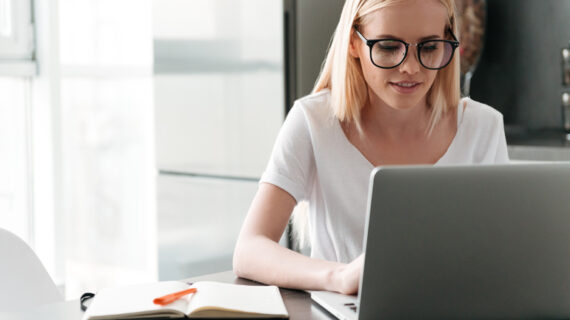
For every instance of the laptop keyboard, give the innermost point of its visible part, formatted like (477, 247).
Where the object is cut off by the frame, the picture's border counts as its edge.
(351, 306)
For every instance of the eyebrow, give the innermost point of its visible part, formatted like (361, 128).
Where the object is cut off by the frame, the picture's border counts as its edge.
(389, 36)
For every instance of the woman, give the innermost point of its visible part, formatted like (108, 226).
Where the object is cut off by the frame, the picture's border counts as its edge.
(388, 94)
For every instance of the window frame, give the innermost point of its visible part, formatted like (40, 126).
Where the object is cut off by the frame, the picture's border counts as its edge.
(17, 51)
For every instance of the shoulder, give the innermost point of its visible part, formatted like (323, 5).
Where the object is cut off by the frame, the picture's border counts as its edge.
(479, 116)
(314, 109)
(307, 116)
(481, 134)
(315, 103)
(478, 111)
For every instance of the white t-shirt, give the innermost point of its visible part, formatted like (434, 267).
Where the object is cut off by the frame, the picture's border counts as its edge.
(313, 160)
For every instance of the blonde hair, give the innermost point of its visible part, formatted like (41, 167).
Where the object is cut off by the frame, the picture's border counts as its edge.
(342, 75)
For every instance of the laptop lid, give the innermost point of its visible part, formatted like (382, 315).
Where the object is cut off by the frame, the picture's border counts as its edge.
(467, 242)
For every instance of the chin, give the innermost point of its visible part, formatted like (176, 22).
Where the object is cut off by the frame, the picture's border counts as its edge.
(403, 103)
(400, 101)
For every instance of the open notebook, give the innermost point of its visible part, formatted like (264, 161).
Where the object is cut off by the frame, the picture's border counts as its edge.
(212, 300)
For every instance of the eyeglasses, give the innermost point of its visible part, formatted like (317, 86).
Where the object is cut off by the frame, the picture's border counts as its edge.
(390, 53)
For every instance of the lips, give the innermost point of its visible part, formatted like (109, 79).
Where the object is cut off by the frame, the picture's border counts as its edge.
(405, 87)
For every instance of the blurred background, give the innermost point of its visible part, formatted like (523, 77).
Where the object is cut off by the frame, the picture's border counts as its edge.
(133, 132)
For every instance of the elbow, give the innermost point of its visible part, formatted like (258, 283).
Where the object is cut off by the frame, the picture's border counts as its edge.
(237, 270)
(238, 264)
(244, 259)
(246, 262)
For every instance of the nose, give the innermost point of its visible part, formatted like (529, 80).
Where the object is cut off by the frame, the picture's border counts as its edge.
(411, 64)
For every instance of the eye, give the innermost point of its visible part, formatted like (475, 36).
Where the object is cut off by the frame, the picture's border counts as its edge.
(430, 46)
(388, 46)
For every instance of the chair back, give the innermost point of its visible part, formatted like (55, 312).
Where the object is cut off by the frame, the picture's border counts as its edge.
(24, 282)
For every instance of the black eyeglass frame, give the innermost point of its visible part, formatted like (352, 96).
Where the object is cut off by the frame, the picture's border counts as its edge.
(370, 43)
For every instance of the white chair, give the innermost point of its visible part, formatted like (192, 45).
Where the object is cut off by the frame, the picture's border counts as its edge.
(24, 282)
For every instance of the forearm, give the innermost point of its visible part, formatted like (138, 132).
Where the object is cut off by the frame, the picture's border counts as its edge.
(261, 259)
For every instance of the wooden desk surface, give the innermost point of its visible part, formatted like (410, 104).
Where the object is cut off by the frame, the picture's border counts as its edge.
(298, 303)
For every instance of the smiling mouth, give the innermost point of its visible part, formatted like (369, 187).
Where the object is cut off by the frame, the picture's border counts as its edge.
(406, 84)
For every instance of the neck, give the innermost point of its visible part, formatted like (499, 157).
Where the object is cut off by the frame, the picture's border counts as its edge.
(410, 122)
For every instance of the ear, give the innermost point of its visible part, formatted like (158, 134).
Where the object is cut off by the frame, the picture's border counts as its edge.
(353, 45)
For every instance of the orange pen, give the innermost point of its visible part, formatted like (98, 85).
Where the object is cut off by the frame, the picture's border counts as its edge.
(169, 298)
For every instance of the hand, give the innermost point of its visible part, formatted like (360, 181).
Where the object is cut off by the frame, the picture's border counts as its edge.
(348, 276)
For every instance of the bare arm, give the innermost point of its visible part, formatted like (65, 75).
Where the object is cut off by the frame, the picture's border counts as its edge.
(258, 255)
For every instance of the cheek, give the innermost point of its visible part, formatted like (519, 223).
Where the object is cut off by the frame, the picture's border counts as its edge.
(373, 75)
(431, 77)
(378, 81)
(370, 71)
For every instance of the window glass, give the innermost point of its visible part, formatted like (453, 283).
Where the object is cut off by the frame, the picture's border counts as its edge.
(14, 160)
(105, 32)
(107, 128)
(16, 36)
(5, 19)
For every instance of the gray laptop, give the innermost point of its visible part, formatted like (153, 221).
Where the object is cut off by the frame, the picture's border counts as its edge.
(464, 242)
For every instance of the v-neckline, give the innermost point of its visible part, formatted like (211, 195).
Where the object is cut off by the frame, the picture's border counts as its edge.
(460, 115)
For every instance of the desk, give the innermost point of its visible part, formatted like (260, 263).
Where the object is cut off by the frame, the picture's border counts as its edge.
(298, 303)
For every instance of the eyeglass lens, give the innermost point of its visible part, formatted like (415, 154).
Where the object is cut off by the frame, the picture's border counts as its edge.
(432, 54)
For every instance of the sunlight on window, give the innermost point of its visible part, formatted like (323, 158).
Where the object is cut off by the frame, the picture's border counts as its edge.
(13, 162)
(106, 32)
(107, 138)
(107, 143)
(5, 18)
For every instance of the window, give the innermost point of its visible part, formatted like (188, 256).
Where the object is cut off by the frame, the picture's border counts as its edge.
(14, 163)
(106, 138)
(77, 168)
(16, 38)
(16, 54)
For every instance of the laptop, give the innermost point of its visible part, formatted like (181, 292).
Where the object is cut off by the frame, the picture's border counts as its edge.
(464, 242)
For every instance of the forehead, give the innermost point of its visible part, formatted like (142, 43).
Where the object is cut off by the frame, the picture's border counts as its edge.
(410, 19)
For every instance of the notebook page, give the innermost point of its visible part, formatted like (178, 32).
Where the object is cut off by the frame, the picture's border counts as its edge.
(135, 299)
(225, 296)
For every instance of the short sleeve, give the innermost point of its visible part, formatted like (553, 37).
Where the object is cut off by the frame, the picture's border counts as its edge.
(291, 165)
